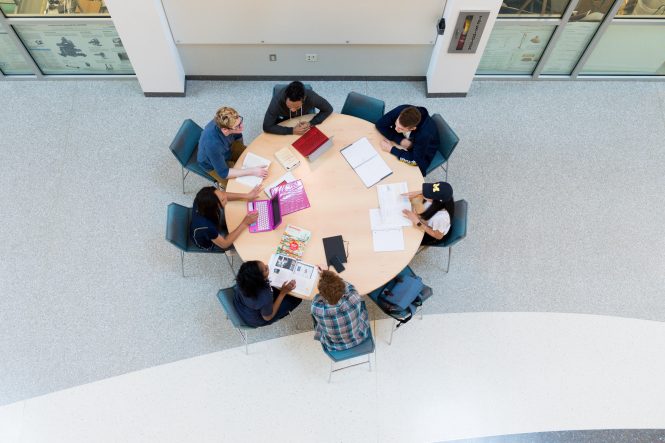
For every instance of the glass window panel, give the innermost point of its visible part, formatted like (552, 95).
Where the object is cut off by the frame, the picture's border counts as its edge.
(642, 9)
(75, 48)
(533, 8)
(11, 59)
(576, 36)
(514, 49)
(629, 49)
(54, 8)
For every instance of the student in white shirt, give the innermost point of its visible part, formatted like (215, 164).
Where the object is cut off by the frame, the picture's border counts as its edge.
(439, 208)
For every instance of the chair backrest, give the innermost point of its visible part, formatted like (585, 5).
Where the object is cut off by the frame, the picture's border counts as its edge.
(457, 225)
(447, 138)
(225, 297)
(178, 218)
(186, 141)
(363, 106)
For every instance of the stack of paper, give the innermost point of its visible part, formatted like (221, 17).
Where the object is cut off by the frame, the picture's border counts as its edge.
(385, 236)
(392, 203)
(366, 161)
(388, 219)
(252, 161)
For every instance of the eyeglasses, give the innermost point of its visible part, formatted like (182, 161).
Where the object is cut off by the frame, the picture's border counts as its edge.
(239, 123)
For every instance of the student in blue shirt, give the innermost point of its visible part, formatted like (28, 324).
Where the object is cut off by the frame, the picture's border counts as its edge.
(410, 135)
(257, 303)
(208, 227)
(220, 146)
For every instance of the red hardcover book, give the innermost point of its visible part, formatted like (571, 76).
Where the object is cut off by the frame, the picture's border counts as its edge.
(310, 141)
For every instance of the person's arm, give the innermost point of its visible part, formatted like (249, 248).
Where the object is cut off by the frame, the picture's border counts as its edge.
(226, 242)
(239, 172)
(272, 118)
(385, 123)
(233, 196)
(424, 148)
(285, 289)
(415, 219)
(320, 103)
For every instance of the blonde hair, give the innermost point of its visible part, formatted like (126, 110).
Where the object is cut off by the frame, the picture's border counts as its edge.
(226, 117)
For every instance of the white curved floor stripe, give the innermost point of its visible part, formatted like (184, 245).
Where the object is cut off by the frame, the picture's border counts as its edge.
(450, 376)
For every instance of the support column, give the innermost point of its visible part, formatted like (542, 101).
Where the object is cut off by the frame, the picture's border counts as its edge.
(146, 36)
(451, 74)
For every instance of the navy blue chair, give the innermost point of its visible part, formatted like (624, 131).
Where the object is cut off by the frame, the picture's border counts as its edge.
(363, 106)
(225, 297)
(178, 219)
(308, 87)
(374, 296)
(447, 142)
(364, 348)
(185, 146)
(457, 230)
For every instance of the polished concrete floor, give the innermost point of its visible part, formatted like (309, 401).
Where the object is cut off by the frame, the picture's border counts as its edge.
(563, 181)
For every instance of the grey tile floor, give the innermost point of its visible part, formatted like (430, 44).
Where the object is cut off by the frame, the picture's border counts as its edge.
(564, 182)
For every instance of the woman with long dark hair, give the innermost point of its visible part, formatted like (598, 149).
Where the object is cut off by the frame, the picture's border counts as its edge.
(439, 208)
(257, 303)
(208, 227)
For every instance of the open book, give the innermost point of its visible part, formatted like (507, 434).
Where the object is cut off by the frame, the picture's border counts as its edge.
(366, 161)
(284, 269)
(252, 161)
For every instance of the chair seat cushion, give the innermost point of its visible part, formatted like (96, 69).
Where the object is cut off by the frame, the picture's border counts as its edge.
(437, 161)
(366, 347)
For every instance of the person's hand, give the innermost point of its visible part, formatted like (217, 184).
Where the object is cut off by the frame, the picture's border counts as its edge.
(412, 194)
(260, 172)
(406, 143)
(250, 218)
(251, 195)
(386, 145)
(288, 286)
(301, 128)
(411, 215)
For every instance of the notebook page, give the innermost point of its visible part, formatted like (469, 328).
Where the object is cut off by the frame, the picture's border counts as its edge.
(373, 171)
(359, 152)
(252, 161)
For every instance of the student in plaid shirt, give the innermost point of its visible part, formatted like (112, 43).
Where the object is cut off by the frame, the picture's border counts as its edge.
(341, 320)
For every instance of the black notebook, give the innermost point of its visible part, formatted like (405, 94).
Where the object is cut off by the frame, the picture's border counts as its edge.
(334, 246)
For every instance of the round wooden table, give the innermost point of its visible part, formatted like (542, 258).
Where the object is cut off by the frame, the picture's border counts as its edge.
(339, 201)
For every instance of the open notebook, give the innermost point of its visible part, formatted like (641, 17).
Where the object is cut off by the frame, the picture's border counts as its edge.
(366, 161)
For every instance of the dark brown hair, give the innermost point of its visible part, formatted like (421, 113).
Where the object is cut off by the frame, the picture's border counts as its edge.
(409, 117)
(331, 287)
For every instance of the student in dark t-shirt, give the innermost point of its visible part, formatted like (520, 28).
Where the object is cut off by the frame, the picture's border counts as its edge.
(257, 303)
(208, 227)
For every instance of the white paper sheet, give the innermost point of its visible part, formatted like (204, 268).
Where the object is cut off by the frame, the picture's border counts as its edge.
(388, 240)
(392, 203)
(377, 223)
(252, 161)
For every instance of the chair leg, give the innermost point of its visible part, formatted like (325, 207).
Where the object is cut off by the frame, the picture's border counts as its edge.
(182, 262)
(369, 361)
(450, 251)
(245, 338)
(444, 166)
(331, 371)
(182, 172)
(421, 248)
(392, 330)
(230, 262)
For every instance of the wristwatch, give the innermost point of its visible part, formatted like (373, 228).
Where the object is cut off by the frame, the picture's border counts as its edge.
(419, 224)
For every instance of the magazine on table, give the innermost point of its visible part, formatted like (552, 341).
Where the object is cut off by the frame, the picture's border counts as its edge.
(284, 269)
(293, 242)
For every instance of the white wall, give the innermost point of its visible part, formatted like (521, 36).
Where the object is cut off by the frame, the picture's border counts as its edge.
(145, 33)
(453, 73)
(385, 37)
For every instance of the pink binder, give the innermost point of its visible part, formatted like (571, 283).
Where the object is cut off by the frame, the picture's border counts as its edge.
(292, 197)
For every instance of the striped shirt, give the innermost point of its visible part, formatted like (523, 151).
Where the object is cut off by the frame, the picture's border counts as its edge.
(341, 326)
